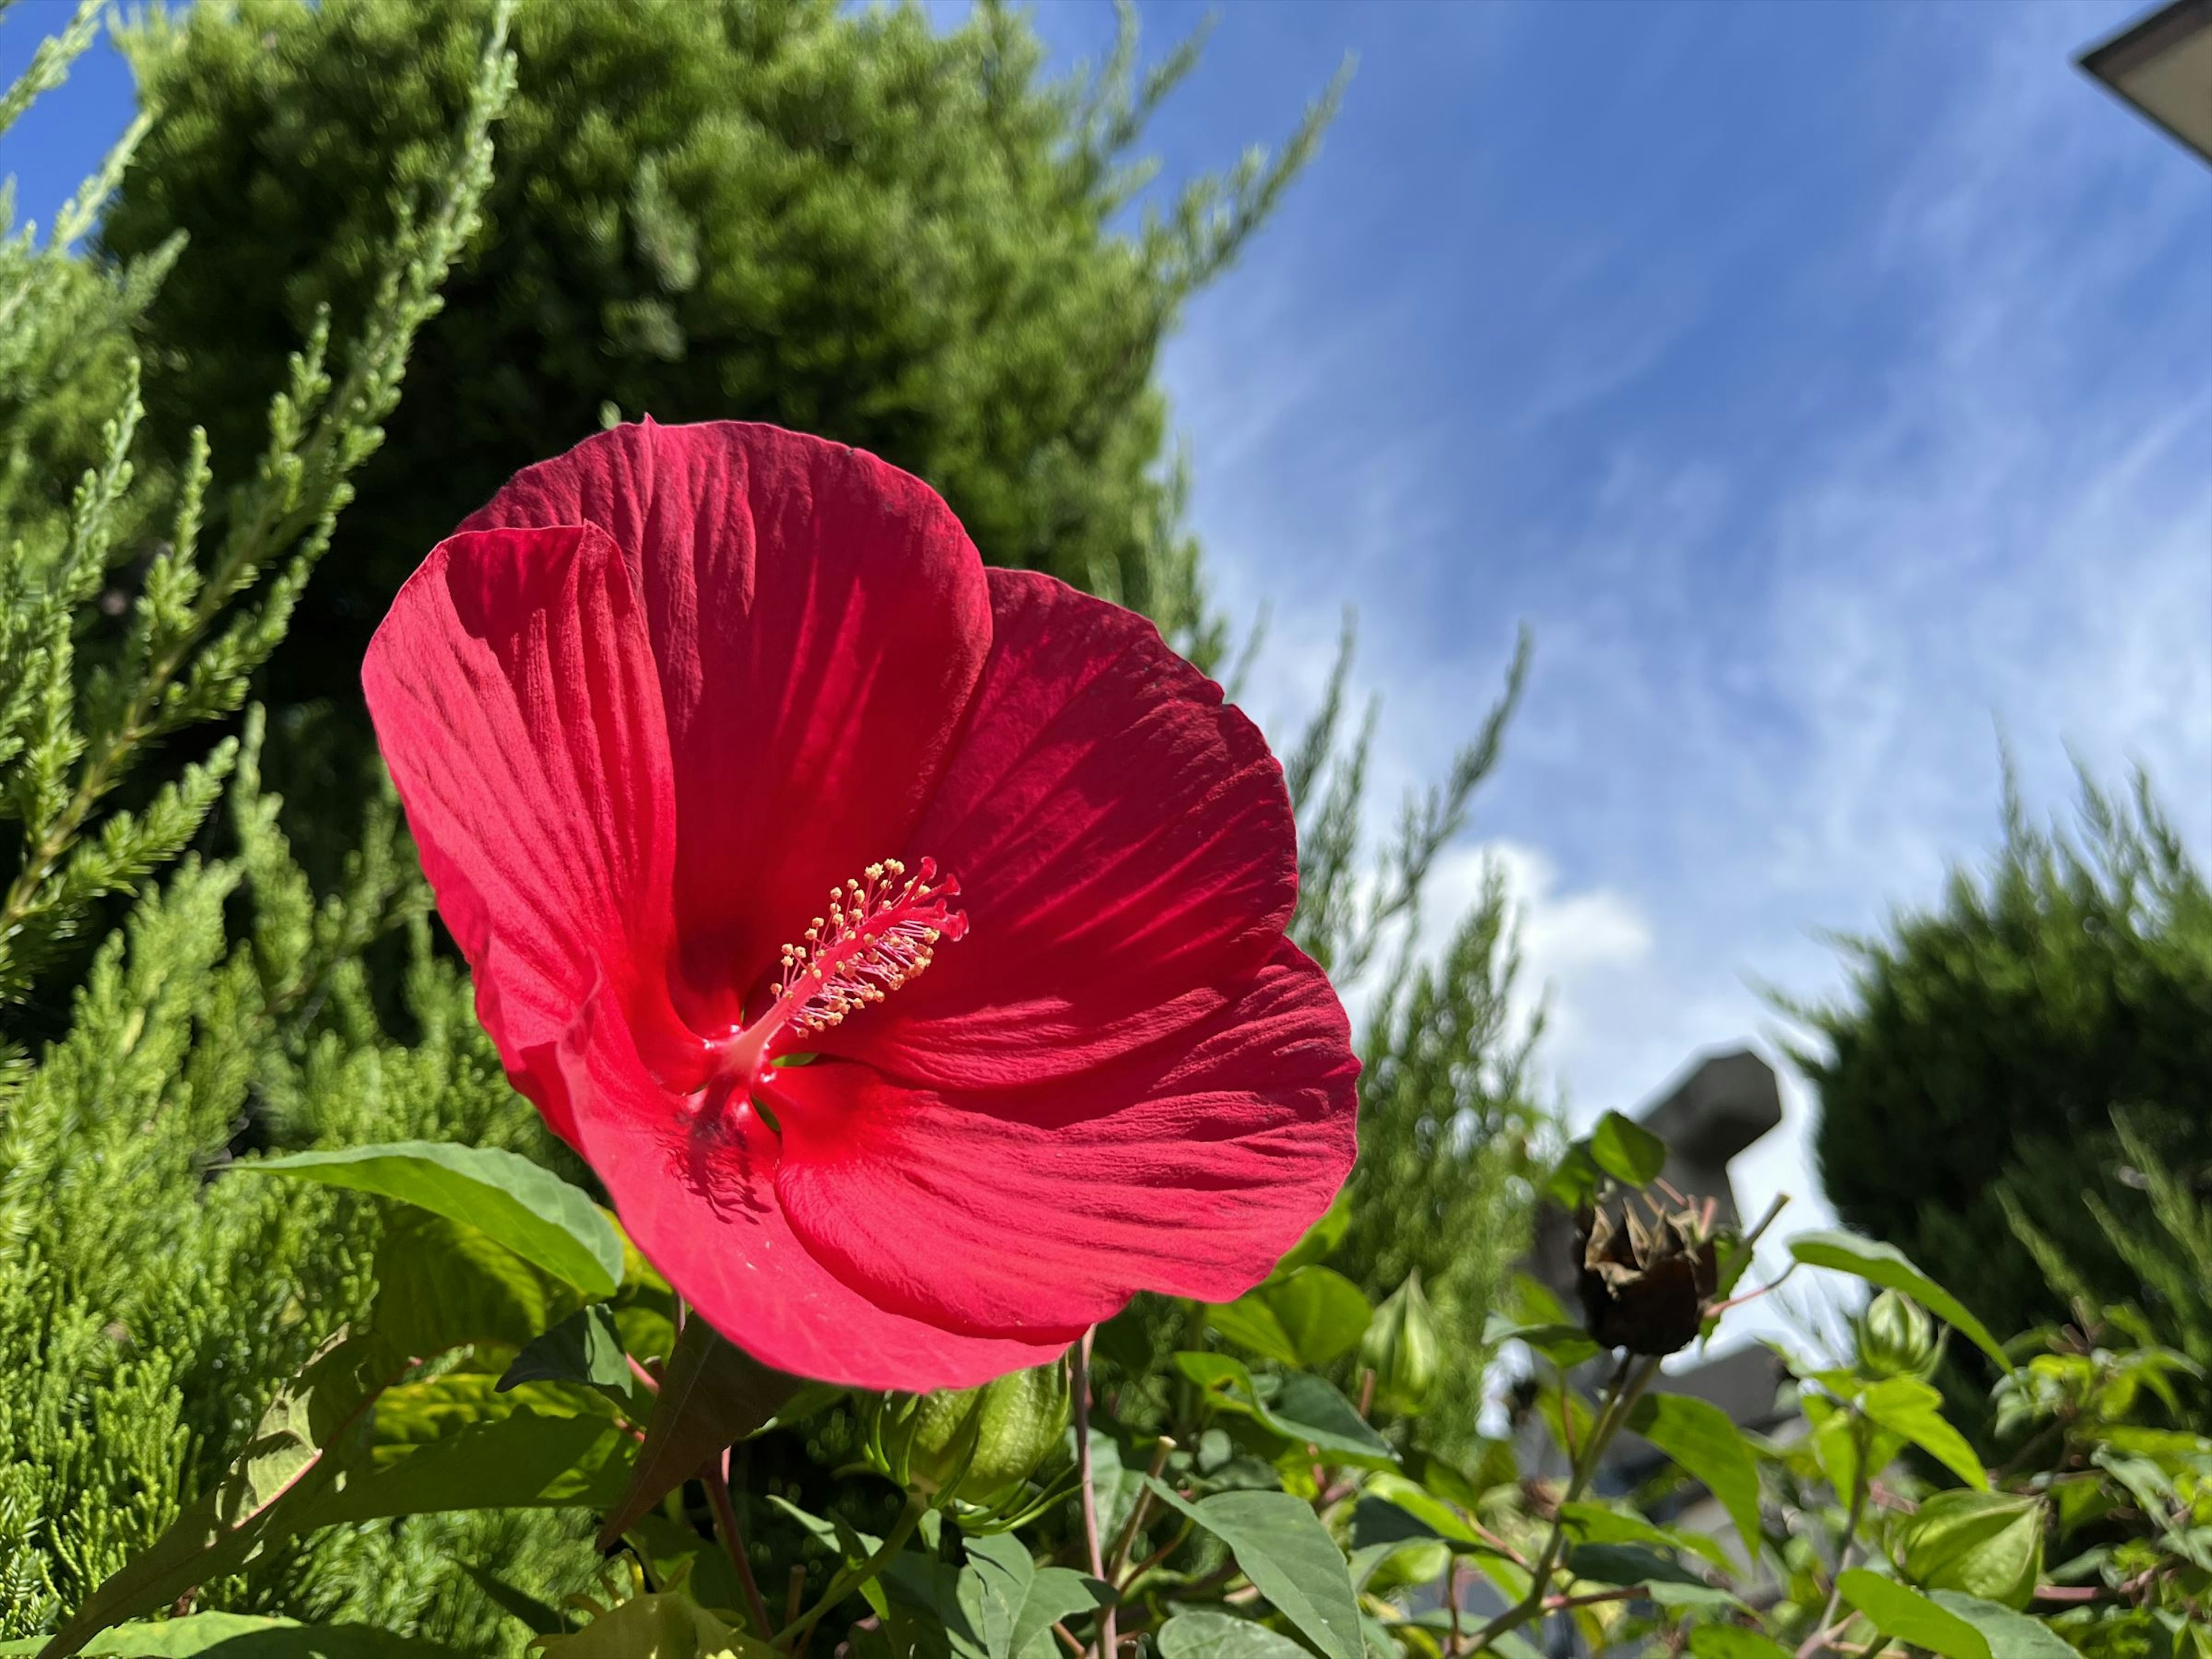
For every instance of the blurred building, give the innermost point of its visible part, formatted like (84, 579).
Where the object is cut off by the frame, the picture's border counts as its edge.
(2161, 66)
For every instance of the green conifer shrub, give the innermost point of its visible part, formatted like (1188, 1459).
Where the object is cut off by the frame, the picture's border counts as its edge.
(1451, 1124)
(1976, 1064)
(841, 221)
(147, 1304)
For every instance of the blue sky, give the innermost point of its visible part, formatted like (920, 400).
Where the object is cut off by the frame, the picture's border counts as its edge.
(1829, 386)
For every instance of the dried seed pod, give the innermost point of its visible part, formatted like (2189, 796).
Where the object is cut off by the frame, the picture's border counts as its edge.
(1644, 1285)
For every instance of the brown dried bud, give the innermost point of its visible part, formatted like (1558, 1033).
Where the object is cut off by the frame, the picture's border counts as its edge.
(1644, 1287)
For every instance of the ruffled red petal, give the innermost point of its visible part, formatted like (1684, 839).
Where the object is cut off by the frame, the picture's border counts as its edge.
(515, 700)
(1124, 845)
(819, 619)
(1188, 1169)
(697, 1192)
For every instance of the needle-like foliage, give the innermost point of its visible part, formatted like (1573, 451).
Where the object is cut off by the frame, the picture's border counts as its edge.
(144, 1303)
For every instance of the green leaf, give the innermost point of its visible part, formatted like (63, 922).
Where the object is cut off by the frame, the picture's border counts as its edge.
(1907, 1406)
(1323, 1237)
(531, 1211)
(1201, 1635)
(1564, 1346)
(441, 1284)
(1282, 1546)
(1429, 1515)
(667, 1626)
(934, 1609)
(585, 1349)
(1590, 1522)
(242, 1636)
(1310, 1408)
(713, 1393)
(532, 1615)
(1985, 1544)
(1381, 1568)
(1576, 1181)
(1020, 1601)
(1706, 1445)
(1734, 1642)
(2010, 1635)
(1249, 1322)
(311, 1429)
(1307, 1318)
(1627, 1152)
(676, 1553)
(1891, 1268)
(1896, 1610)
(1323, 1313)
(1304, 1409)
(1628, 1563)
(522, 1460)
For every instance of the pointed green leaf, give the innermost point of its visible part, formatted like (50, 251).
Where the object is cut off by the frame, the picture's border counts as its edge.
(2010, 1635)
(1590, 1522)
(243, 1636)
(521, 1459)
(314, 1427)
(1891, 1268)
(1020, 1601)
(1323, 1312)
(1307, 1317)
(532, 1615)
(441, 1284)
(1897, 1611)
(1201, 1635)
(1734, 1642)
(585, 1348)
(531, 1211)
(1705, 1444)
(1280, 1545)
(665, 1626)
(1626, 1150)
(713, 1395)
(1323, 1237)
(1907, 1406)
(1628, 1563)
(1403, 1509)
(1564, 1346)
(1304, 1409)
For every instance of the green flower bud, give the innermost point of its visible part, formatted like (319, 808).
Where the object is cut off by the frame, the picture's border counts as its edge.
(976, 1444)
(1400, 1348)
(1896, 1338)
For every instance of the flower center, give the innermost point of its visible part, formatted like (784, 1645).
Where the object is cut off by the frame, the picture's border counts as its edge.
(881, 930)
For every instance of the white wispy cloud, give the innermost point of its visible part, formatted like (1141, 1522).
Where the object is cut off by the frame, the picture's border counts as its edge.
(1770, 689)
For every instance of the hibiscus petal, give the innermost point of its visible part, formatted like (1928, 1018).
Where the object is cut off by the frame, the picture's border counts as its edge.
(1124, 845)
(1188, 1169)
(695, 1190)
(515, 700)
(820, 620)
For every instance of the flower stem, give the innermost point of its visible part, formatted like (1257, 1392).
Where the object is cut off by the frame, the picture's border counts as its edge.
(1630, 1378)
(1825, 1626)
(848, 1579)
(1117, 1559)
(714, 1474)
(1079, 1382)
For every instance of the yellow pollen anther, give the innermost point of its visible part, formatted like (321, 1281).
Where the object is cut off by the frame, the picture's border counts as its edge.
(881, 930)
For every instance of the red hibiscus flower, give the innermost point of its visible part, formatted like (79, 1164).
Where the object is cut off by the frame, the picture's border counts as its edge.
(902, 943)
